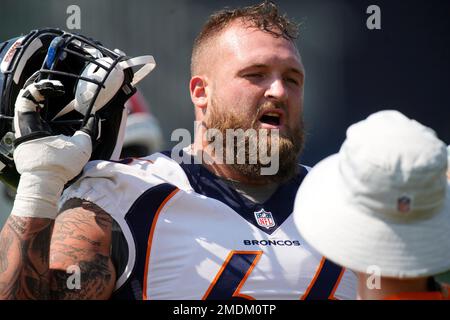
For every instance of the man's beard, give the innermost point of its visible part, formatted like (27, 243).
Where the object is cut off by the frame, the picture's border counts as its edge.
(290, 144)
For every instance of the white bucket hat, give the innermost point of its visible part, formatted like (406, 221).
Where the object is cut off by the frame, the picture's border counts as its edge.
(383, 201)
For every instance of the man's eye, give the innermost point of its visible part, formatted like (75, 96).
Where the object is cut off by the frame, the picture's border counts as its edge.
(254, 75)
(292, 80)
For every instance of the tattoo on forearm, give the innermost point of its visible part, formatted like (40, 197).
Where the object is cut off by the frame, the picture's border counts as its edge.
(81, 237)
(5, 244)
(24, 247)
(17, 224)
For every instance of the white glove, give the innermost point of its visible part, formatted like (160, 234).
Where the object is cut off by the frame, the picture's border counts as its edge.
(46, 162)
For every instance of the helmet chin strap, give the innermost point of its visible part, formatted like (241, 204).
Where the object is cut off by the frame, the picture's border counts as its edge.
(148, 64)
(120, 137)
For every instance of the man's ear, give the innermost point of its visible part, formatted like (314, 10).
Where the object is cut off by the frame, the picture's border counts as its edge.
(199, 93)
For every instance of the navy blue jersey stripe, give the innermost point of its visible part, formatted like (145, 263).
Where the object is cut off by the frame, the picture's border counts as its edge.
(232, 275)
(325, 282)
(140, 218)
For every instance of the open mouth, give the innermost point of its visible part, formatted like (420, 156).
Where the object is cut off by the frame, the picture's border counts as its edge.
(271, 118)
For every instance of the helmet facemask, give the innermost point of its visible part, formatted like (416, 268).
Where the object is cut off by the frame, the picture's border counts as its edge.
(97, 81)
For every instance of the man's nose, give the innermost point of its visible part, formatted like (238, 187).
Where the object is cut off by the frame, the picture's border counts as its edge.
(277, 90)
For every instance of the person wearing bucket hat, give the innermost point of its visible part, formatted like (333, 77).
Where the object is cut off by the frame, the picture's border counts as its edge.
(385, 209)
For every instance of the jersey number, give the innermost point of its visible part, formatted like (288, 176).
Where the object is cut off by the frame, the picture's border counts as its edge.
(239, 264)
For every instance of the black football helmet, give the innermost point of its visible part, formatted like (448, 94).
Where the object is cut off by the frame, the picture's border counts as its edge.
(97, 81)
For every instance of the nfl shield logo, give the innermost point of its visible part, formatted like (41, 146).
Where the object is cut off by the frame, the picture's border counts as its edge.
(265, 219)
(404, 204)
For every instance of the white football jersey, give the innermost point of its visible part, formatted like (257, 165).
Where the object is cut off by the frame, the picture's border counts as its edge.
(191, 236)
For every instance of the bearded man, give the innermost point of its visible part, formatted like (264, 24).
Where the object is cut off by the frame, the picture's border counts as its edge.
(221, 229)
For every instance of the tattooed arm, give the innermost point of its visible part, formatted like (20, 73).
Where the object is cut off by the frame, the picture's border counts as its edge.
(34, 262)
(24, 249)
(82, 238)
